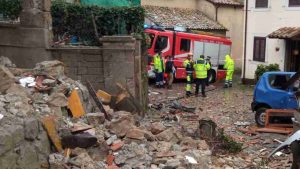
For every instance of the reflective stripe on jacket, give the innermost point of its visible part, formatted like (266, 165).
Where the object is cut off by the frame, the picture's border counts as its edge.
(201, 68)
(188, 66)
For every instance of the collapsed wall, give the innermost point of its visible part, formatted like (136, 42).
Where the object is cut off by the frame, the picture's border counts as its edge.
(27, 95)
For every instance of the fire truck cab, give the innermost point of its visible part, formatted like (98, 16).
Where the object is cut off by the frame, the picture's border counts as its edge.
(179, 44)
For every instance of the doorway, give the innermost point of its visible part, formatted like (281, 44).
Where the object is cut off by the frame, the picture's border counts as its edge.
(293, 55)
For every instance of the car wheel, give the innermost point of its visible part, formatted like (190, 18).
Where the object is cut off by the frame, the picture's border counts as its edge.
(260, 116)
(212, 76)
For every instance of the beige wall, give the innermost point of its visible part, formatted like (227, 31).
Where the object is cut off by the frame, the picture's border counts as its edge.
(233, 20)
(207, 8)
(262, 22)
(192, 4)
(230, 17)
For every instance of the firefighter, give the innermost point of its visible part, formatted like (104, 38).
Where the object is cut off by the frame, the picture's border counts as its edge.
(208, 71)
(188, 64)
(201, 67)
(159, 69)
(229, 66)
(169, 71)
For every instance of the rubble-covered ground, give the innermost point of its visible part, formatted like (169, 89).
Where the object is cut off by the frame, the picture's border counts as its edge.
(48, 120)
(230, 109)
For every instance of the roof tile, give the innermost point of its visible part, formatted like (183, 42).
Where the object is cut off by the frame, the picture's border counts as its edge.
(226, 2)
(189, 18)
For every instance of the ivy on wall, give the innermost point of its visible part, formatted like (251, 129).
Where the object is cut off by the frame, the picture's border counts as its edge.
(10, 9)
(76, 20)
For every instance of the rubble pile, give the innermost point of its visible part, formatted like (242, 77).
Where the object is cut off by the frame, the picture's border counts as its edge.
(51, 121)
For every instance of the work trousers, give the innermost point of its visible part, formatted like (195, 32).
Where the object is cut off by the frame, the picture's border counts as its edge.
(201, 82)
(228, 81)
(189, 81)
(159, 77)
(170, 79)
(207, 79)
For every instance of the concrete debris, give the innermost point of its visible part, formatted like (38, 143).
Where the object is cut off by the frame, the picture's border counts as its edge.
(6, 79)
(5, 61)
(53, 68)
(57, 125)
(157, 128)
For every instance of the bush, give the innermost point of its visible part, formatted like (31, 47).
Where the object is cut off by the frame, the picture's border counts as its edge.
(10, 9)
(261, 69)
(76, 20)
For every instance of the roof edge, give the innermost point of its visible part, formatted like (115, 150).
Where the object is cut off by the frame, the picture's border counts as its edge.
(226, 4)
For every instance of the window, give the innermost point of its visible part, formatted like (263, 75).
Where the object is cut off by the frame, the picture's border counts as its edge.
(277, 81)
(261, 3)
(161, 43)
(294, 3)
(259, 51)
(149, 39)
(185, 45)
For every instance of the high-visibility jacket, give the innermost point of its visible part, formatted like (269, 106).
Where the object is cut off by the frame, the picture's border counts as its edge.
(158, 63)
(188, 64)
(229, 63)
(201, 68)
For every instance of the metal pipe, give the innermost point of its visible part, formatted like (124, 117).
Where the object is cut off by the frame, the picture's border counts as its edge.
(245, 42)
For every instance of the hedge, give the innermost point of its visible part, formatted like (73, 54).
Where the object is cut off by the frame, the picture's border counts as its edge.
(10, 9)
(76, 20)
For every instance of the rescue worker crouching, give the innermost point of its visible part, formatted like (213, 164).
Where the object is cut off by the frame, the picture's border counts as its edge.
(201, 67)
(159, 69)
(188, 64)
(229, 66)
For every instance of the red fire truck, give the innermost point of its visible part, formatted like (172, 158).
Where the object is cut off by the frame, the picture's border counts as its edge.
(179, 44)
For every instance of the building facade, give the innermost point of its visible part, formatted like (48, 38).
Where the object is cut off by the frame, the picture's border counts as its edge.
(272, 35)
(228, 13)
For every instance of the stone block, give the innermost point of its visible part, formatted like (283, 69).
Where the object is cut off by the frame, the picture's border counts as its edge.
(9, 160)
(23, 37)
(94, 71)
(43, 5)
(95, 119)
(6, 142)
(28, 158)
(82, 71)
(6, 79)
(35, 19)
(31, 129)
(92, 58)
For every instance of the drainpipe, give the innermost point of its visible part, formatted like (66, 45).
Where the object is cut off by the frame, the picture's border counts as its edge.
(245, 42)
(217, 7)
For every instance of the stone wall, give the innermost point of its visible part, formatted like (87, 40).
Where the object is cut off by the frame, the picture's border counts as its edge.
(25, 43)
(117, 61)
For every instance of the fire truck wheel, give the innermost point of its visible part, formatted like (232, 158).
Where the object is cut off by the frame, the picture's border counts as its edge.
(211, 76)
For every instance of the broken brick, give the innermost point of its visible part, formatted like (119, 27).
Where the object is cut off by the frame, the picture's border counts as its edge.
(135, 134)
(117, 146)
(157, 128)
(112, 167)
(110, 159)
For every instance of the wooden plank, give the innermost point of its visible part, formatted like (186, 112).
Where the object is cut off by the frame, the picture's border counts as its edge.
(75, 105)
(105, 97)
(49, 124)
(276, 130)
(97, 100)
